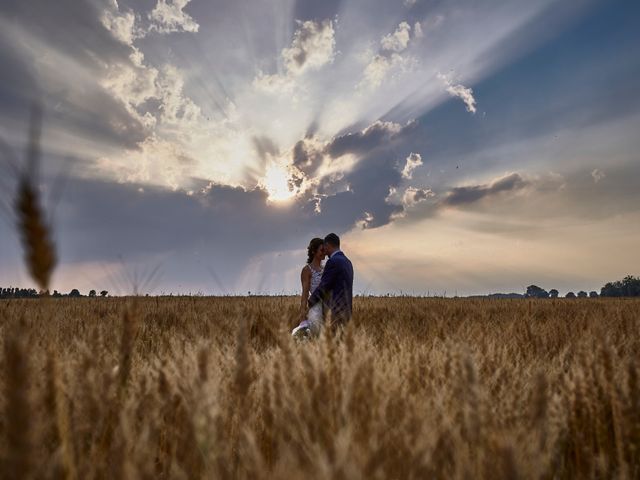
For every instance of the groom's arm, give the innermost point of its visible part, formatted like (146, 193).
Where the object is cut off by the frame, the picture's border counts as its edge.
(327, 282)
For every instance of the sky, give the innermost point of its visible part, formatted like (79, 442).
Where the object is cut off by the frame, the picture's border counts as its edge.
(196, 146)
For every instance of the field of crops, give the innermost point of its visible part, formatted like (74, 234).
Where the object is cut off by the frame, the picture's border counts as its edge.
(191, 388)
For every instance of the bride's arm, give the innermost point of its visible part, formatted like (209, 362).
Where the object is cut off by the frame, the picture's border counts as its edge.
(305, 278)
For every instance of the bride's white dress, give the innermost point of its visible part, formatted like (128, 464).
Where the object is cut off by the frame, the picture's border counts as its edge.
(314, 317)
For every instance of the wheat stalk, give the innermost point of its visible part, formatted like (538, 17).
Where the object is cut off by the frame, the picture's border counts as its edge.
(17, 409)
(35, 234)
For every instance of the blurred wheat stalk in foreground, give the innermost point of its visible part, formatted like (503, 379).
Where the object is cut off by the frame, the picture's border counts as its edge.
(35, 234)
(418, 388)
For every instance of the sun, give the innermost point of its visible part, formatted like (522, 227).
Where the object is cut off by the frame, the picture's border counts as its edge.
(276, 183)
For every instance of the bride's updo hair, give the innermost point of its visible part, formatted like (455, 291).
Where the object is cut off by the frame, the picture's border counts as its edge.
(313, 247)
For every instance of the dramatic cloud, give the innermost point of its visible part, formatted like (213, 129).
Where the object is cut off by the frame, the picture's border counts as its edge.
(134, 82)
(168, 16)
(358, 168)
(414, 195)
(390, 56)
(120, 24)
(414, 160)
(474, 193)
(398, 40)
(313, 46)
(377, 69)
(463, 93)
(349, 176)
(308, 154)
(180, 150)
(365, 140)
(365, 222)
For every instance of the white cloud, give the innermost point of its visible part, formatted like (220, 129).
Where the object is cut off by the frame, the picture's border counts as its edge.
(392, 56)
(313, 46)
(382, 66)
(177, 108)
(155, 158)
(365, 222)
(398, 40)
(409, 3)
(179, 135)
(377, 69)
(168, 16)
(132, 83)
(414, 160)
(413, 195)
(460, 91)
(120, 24)
(417, 30)
(407, 199)
(597, 175)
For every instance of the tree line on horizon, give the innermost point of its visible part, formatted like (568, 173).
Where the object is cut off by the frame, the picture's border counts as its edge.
(629, 286)
(14, 292)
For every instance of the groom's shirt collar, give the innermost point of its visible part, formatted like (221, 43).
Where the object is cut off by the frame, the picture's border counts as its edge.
(331, 256)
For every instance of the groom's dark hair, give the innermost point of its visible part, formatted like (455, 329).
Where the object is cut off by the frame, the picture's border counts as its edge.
(332, 239)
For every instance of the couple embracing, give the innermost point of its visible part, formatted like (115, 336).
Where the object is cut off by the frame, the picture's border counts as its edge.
(326, 292)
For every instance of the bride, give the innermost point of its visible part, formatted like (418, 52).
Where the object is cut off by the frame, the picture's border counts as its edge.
(311, 320)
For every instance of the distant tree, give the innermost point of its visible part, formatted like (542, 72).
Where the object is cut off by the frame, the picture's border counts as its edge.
(629, 286)
(593, 294)
(56, 293)
(570, 295)
(582, 294)
(103, 293)
(92, 293)
(534, 291)
(609, 290)
(553, 293)
(74, 293)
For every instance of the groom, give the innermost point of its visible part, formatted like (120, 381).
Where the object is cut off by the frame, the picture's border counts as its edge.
(336, 284)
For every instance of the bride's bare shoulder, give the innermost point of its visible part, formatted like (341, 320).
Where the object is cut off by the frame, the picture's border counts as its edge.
(306, 271)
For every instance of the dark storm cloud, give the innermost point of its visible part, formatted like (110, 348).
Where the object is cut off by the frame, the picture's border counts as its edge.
(307, 157)
(102, 220)
(367, 184)
(362, 191)
(366, 140)
(474, 193)
(522, 204)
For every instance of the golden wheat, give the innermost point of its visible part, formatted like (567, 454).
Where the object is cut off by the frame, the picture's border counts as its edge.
(416, 388)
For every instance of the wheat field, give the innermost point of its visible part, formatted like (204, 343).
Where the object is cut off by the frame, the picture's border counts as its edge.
(189, 388)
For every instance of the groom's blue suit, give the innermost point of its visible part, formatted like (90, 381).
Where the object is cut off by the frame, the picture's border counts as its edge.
(336, 289)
